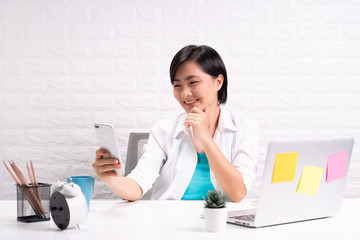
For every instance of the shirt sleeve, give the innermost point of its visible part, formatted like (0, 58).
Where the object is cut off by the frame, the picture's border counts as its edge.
(150, 163)
(245, 151)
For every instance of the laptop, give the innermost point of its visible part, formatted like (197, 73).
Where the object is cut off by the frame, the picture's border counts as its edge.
(302, 180)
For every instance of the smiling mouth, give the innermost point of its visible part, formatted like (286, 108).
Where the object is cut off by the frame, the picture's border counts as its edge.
(190, 102)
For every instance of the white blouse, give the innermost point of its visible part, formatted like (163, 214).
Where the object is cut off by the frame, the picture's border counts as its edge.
(169, 159)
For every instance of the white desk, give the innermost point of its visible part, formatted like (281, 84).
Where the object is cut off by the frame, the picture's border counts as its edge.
(174, 220)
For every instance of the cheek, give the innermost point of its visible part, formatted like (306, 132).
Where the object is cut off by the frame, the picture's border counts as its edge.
(176, 95)
(206, 91)
(209, 92)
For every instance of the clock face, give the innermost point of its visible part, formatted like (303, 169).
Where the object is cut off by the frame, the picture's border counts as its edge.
(59, 210)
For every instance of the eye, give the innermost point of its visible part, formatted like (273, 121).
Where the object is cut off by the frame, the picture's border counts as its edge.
(177, 86)
(194, 82)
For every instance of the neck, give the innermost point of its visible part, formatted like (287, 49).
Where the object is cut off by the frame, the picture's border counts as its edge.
(213, 118)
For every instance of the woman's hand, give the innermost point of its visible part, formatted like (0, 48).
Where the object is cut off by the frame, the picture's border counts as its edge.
(103, 167)
(198, 120)
(124, 187)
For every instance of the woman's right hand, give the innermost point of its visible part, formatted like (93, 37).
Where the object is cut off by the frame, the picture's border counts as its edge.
(124, 187)
(104, 167)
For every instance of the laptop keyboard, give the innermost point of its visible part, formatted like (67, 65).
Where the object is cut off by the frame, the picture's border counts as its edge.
(249, 218)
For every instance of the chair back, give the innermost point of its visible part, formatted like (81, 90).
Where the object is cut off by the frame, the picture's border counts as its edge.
(134, 152)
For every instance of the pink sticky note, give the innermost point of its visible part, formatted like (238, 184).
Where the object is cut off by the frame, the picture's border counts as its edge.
(336, 166)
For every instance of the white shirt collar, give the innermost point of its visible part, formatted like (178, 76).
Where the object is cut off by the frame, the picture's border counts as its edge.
(225, 121)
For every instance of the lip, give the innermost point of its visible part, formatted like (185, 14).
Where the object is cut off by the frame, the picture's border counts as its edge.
(191, 102)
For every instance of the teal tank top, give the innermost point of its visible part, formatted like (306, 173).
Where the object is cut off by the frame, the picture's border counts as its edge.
(200, 182)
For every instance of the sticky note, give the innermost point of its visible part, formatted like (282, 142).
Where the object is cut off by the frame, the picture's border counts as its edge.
(285, 167)
(336, 166)
(310, 180)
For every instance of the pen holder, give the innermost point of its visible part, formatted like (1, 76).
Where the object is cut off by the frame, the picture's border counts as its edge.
(33, 203)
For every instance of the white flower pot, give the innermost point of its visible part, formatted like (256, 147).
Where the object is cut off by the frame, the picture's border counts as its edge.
(215, 219)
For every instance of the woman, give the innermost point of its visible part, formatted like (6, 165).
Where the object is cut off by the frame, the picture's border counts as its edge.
(199, 150)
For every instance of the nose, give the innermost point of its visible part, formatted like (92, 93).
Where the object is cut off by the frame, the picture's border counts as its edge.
(186, 92)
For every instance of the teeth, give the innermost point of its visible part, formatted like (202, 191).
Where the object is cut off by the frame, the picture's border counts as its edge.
(191, 101)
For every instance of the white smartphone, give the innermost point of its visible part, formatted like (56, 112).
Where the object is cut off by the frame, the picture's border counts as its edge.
(106, 140)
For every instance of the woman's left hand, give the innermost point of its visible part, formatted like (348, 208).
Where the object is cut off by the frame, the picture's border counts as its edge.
(198, 120)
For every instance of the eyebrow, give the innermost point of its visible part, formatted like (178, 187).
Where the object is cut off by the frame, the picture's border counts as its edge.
(187, 78)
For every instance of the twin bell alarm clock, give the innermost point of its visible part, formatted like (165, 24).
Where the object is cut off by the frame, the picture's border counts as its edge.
(68, 205)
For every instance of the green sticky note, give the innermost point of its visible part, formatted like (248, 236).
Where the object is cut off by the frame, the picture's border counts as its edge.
(310, 180)
(285, 167)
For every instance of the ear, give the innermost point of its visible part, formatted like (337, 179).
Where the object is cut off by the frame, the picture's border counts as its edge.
(219, 81)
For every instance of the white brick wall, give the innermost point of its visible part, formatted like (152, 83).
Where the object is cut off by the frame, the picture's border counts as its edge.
(292, 64)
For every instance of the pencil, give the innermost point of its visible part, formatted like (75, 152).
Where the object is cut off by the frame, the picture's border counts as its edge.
(24, 190)
(31, 178)
(12, 174)
(35, 181)
(31, 194)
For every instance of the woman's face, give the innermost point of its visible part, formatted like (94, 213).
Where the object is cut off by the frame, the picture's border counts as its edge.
(195, 88)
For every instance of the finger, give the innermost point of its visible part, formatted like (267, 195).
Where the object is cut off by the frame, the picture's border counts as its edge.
(195, 119)
(192, 123)
(105, 161)
(198, 112)
(186, 124)
(203, 114)
(206, 110)
(110, 174)
(107, 168)
(195, 110)
(102, 152)
(193, 115)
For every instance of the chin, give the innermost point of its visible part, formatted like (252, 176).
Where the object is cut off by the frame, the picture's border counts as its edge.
(188, 108)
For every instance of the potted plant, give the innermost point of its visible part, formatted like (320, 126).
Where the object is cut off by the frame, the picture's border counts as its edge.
(215, 212)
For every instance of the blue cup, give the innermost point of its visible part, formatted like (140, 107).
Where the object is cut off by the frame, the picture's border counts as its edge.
(86, 184)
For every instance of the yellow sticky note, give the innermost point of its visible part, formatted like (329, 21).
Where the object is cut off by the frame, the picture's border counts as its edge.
(310, 180)
(285, 167)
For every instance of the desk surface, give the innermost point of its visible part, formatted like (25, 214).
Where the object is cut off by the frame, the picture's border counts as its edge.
(174, 220)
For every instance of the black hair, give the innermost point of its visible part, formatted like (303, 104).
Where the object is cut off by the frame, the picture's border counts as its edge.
(208, 59)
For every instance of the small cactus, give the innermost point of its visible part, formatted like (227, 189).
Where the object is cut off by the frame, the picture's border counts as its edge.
(215, 200)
